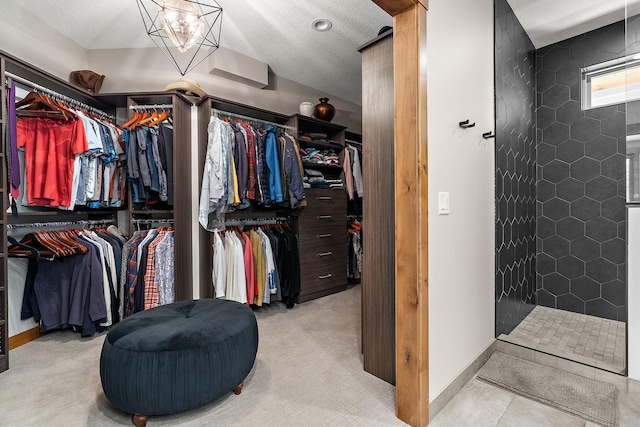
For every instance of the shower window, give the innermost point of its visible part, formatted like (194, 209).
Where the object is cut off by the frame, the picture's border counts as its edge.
(612, 82)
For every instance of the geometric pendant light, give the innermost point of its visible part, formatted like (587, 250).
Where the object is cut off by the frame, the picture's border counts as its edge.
(187, 31)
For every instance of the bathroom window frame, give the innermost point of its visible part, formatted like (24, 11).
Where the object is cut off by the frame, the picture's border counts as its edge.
(627, 68)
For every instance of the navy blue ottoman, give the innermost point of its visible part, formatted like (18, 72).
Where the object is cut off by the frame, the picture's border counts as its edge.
(178, 356)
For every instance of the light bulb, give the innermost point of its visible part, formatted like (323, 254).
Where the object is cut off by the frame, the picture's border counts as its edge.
(183, 22)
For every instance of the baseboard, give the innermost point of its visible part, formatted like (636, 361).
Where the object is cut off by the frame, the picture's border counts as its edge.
(456, 385)
(24, 337)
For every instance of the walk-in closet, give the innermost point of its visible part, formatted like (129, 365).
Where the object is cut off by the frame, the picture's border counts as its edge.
(136, 213)
(383, 194)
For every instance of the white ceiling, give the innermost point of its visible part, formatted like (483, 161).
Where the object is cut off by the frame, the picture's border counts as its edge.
(550, 21)
(277, 32)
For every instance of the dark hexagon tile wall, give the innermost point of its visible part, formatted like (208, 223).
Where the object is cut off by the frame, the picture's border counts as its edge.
(515, 146)
(580, 183)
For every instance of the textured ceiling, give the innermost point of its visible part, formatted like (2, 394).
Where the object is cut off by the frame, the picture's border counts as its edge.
(277, 32)
(550, 21)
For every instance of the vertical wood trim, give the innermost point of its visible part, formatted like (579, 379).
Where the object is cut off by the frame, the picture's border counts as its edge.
(206, 238)
(411, 201)
(182, 217)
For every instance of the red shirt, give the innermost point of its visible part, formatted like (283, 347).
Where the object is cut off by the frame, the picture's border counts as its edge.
(50, 148)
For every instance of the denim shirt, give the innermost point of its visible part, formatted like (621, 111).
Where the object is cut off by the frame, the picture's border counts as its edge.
(273, 164)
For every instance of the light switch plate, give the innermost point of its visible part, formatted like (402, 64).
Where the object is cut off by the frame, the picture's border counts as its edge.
(443, 203)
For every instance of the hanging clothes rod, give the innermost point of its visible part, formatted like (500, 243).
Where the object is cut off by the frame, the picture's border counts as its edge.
(215, 112)
(152, 221)
(53, 93)
(152, 107)
(84, 223)
(255, 221)
(349, 141)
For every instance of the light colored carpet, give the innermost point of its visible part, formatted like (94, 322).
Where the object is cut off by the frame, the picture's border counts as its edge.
(308, 372)
(590, 399)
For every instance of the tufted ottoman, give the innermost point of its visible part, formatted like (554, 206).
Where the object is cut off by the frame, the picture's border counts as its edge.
(177, 357)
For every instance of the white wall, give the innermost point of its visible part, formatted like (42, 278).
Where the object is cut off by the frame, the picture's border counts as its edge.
(138, 70)
(461, 162)
(26, 37)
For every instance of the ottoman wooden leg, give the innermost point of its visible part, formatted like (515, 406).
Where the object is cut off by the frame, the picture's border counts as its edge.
(238, 389)
(140, 420)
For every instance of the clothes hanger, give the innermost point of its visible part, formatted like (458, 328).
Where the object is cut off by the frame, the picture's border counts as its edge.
(148, 119)
(134, 119)
(44, 246)
(18, 249)
(40, 105)
(67, 236)
(161, 118)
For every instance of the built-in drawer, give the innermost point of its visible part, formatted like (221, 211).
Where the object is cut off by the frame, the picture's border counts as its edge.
(322, 243)
(318, 233)
(322, 256)
(321, 201)
(327, 218)
(323, 277)
(313, 246)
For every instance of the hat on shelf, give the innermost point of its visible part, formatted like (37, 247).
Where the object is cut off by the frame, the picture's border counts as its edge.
(87, 79)
(186, 86)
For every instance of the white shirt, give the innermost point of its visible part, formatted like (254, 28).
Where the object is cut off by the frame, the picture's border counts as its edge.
(219, 271)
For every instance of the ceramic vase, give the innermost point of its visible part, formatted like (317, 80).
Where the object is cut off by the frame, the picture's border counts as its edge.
(324, 110)
(306, 109)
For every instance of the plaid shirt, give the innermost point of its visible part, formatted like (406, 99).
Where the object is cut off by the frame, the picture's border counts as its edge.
(151, 293)
(251, 157)
(132, 273)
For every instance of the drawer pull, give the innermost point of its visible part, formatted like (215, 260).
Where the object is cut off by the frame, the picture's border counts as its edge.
(324, 198)
(326, 276)
(325, 254)
(324, 217)
(324, 235)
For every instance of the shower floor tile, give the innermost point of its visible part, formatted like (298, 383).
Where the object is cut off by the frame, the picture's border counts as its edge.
(586, 339)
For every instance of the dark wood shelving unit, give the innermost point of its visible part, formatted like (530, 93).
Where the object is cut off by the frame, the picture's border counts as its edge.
(322, 226)
(4, 306)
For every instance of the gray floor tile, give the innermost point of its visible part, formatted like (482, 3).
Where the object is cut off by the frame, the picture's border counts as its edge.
(573, 336)
(478, 404)
(523, 412)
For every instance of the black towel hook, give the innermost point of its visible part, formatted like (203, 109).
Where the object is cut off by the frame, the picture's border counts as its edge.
(488, 135)
(465, 124)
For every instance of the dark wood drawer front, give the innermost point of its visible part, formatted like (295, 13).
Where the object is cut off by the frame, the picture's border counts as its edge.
(310, 248)
(318, 234)
(323, 277)
(320, 201)
(329, 218)
(322, 257)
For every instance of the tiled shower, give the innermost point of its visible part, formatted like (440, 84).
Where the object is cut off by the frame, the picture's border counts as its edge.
(560, 187)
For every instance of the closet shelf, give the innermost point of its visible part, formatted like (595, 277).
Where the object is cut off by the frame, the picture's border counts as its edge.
(151, 211)
(306, 163)
(321, 145)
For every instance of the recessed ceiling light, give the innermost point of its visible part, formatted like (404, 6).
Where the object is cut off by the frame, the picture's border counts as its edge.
(321, 25)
